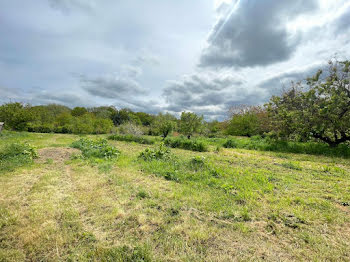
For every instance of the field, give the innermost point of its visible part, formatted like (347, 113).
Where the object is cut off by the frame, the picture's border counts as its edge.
(226, 204)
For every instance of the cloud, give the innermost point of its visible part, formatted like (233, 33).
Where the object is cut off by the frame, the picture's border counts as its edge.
(113, 86)
(254, 33)
(68, 5)
(209, 93)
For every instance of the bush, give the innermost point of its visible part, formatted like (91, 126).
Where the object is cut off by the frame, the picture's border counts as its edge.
(15, 155)
(187, 144)
(161, 153)
(230, 143)
(132, 138)
(96, 148)
(130, 128)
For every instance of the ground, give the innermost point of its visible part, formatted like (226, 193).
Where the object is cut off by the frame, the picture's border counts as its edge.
(274, 207)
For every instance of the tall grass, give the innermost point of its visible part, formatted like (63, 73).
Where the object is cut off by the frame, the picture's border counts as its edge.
(194, 145)
(133, 138)
(266, 144)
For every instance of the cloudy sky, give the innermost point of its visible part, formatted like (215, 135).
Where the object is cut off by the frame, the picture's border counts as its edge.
(165, 55)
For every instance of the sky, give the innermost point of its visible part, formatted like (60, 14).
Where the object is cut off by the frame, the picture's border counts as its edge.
(203, 56)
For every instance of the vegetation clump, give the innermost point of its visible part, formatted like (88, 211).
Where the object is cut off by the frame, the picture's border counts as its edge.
(15, 155)
(132, 138)
(187, 144)
(96, 148)
(161, 153)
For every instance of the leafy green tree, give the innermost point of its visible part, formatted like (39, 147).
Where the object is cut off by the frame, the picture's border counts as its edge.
(105, 112)
(190, 123)
(163, 124)
(16, 116)
(248, 121)
(79, 111)
(146, 119)
(318, 108)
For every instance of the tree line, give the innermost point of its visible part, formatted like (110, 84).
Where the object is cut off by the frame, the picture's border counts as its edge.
(314, 109)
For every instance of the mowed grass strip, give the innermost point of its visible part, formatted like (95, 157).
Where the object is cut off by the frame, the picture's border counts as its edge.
(233, 204)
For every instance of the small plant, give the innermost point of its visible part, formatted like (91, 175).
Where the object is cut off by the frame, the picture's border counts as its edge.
(96, 148)
(197, 162)
(161, 153)
(230, 144)
(292, 165)
(142, 194)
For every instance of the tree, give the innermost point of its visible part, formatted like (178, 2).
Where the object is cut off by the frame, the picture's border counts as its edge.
(248, 121)
(79, 111)
(16, 116)
(190, 123)
(318, 108)
(164, 124)
(146, 119)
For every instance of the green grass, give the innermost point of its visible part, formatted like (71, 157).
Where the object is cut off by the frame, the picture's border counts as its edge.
(222, 205)
(261, 144)
(188, 144)
(132, 138)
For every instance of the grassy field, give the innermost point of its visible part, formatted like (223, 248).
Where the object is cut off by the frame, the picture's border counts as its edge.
(221, 205)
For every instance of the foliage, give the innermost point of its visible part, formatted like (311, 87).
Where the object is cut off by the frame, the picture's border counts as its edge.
(163, 124)
(132, 138)
(146, 119)
(79, 111)
(193, 145)
(318, 109)
(268, 144)
(16, 116)
(190, 123)
(162, 152)
(248, 121)
(130, 128)
(15, 155)
(96, 148)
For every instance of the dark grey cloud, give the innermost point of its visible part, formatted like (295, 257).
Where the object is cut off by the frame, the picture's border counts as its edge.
(254, 32)
(112, 87)
(209, 93)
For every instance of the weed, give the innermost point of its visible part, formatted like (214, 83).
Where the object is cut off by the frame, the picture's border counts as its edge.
(96, 148)
(194, 145)
(161, 153)
(292, 165)
(16, 155)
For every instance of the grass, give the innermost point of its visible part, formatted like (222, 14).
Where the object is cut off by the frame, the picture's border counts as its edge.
(132, 138)
(222, 205)
(183, 143)
(265, 144)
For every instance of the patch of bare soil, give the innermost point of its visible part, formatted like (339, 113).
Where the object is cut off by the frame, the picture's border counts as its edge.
(57, 154)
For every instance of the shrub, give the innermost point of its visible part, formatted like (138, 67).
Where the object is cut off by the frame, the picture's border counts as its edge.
(96, 148)
(187, 144)
(197, 162)
(161, 153)
(132, 138)
(230, 143)
(130, 128)
(16, 154)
